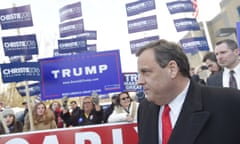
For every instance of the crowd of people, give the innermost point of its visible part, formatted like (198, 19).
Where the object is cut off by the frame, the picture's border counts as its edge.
(223, 65)
(87, 111)
(179, 110)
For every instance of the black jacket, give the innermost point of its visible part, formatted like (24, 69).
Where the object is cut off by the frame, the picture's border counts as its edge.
(95, 117)
(209, 115)
(215, 79)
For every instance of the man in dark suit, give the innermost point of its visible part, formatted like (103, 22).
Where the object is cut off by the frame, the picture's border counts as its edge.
(215, 79)
(227, 55)
(198, 114)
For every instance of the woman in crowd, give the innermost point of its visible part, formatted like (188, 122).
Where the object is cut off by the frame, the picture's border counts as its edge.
(110, 109)
(125, 109)
(92, 113)
(9, 124)
(56, 109)
(43, 118)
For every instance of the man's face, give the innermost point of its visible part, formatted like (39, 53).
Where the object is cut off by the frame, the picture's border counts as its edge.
(156, 81)
(225, 56)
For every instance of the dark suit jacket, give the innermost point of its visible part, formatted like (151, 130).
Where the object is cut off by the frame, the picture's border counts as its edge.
(209, 115)
(215, 79)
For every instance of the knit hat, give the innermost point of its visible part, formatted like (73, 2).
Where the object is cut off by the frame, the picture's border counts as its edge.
(7, 111)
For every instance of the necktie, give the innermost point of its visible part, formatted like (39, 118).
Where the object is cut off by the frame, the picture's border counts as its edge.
(166, 125)
(232, 80)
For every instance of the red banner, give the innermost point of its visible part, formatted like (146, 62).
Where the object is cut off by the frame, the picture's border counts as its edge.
(100, 134)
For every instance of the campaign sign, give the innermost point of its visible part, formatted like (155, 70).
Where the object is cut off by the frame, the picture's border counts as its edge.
(16, 17)
(20, 58)
(125, 133)
(238, 33)
(57, 53)
(70, 11)
(72, 45)
(15, 72)
(142, 24)
(180, 7)
(92, 47)
(130, 82)
(186, 24)
(138, 7)
(34, 89)
(88, 35)
(81, 74)
(20, 45)
(193, 45)
(71, 28)
(135, 45)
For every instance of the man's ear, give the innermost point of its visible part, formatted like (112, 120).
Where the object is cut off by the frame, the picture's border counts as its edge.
(173, 69)
(236, 51)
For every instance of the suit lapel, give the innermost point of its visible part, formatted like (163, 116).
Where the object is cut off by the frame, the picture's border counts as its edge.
(191, 119)
(219, 80)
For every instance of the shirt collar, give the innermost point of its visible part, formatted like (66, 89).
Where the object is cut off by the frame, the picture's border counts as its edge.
(176, 104)
(236, 69)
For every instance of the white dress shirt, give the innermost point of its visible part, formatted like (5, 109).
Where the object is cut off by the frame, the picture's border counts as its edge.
(176, 107)
(226, 76)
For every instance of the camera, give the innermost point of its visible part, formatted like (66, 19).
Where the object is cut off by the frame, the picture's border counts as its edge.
(203, 67)
(64, 102)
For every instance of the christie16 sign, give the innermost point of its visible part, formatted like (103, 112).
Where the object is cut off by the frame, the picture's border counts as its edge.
(80, 75)
(16, 72)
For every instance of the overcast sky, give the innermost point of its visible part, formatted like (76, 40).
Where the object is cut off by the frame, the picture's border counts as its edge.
(108, 17)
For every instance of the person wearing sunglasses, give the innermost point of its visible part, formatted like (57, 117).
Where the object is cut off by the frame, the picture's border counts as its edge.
(125, 109)
(92, 112)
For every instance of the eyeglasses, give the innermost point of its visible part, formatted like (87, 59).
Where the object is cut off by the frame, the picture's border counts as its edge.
(124, 98)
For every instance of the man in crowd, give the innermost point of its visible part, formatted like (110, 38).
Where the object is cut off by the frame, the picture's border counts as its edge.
(178, 110)
(227, 53)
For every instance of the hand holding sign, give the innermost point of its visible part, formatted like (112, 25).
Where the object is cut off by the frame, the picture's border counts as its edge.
(95, 98)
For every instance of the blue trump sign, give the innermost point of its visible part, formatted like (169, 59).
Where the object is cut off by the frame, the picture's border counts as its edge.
(80, 75)
(15, 72)
(130, 82)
